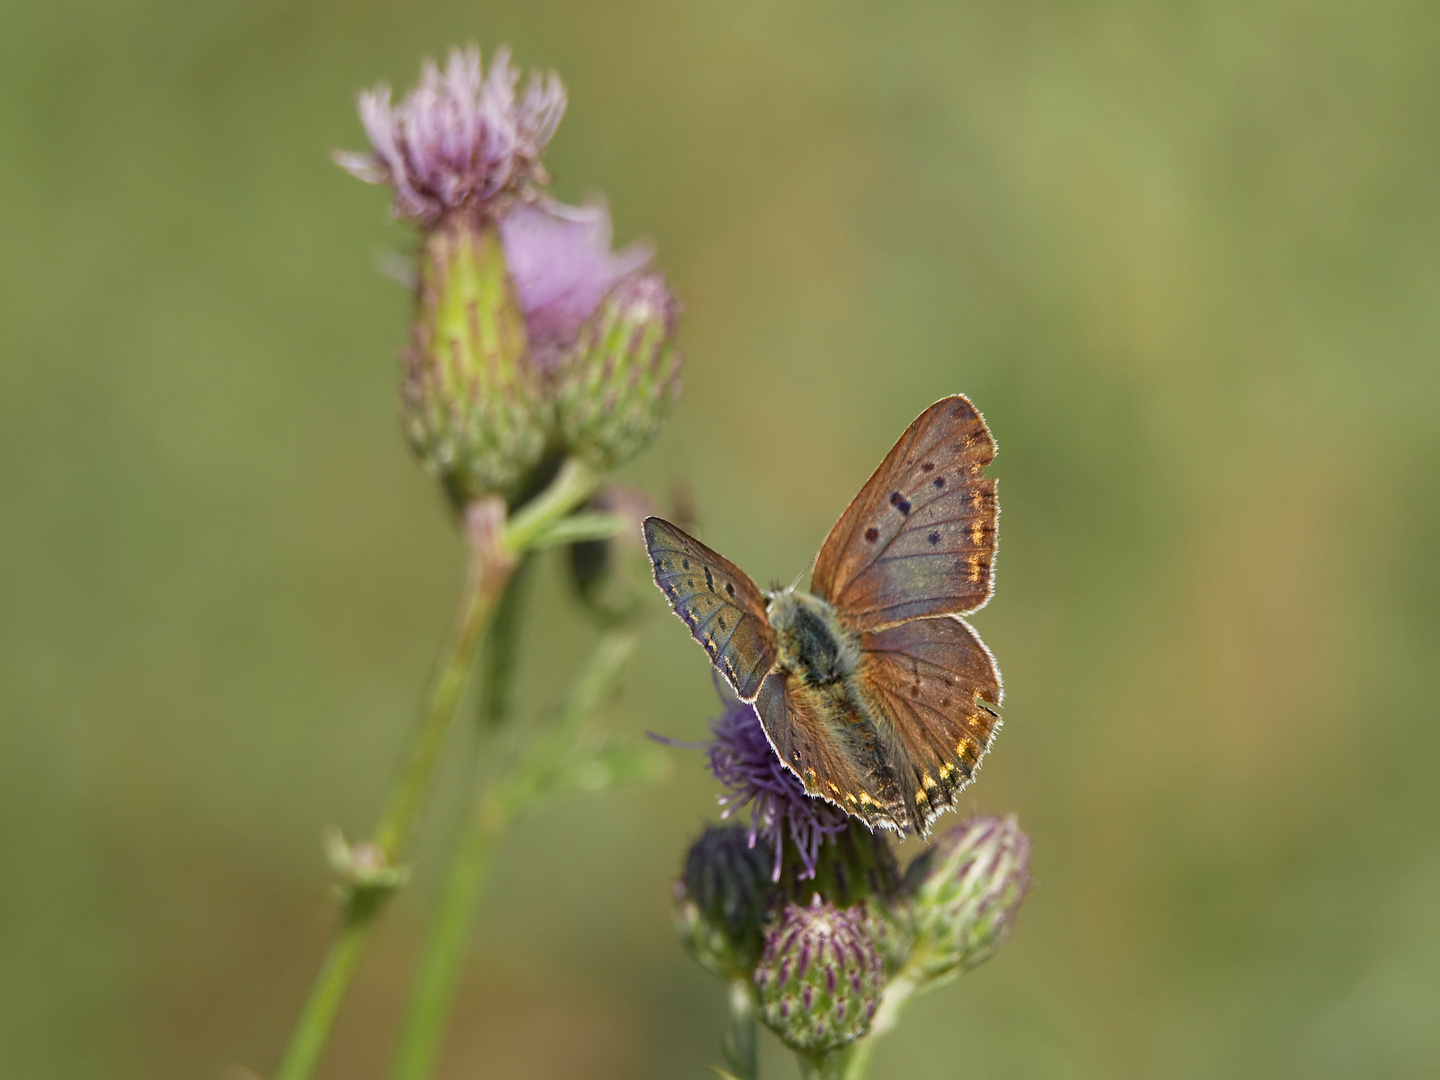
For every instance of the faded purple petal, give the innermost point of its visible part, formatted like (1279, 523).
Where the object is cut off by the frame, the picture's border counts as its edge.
(560, 260)
(459, 138)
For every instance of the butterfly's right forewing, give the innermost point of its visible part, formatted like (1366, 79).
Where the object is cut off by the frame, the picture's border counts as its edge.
(919, 539)
(723, 608)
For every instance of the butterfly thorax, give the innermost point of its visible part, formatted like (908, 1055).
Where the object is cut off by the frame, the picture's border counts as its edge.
(812, 643)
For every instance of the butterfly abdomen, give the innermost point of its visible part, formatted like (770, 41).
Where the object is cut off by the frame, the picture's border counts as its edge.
(813, 646)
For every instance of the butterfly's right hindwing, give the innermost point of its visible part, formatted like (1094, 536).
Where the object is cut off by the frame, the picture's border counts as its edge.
(931, 682)
(723, 608)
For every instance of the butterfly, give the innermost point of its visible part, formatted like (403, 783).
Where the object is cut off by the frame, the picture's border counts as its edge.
(870, 687)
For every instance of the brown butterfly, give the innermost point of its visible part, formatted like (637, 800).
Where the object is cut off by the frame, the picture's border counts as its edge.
(870, 687)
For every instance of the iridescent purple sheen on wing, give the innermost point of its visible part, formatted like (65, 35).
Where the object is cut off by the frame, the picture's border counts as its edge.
(742, 759)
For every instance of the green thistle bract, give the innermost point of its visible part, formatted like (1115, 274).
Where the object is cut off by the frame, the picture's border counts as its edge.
(967, 889)
(618, 383)
(474, 406)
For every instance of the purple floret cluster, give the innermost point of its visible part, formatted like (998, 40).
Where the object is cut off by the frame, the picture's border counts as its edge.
(742, 759)
(460, 138)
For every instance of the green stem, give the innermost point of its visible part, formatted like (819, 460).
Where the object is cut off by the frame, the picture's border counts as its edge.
(573, 484)
(740, 1052)
(444, 947)
(497, 659)
(857, 1059)
(495, 807)
(853, 1062)
(495, 547)
(341, 962)
(337, 971)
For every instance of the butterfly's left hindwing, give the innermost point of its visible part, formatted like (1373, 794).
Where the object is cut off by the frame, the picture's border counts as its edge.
(930, 683)
(832, 746)
(723, 608)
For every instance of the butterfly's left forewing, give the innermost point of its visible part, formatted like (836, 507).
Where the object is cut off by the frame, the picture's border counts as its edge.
(723, 608)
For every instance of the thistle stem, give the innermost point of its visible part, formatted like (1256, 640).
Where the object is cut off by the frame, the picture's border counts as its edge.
(484, 579)
(444, 946)
(740, 1051)
(495, 807)
(496, 547)
(854, 1060)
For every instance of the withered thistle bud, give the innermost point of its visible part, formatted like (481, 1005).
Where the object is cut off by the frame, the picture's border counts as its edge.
(820, 977)
(967, 889)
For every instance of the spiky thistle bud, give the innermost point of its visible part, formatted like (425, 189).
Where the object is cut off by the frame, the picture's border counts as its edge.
(967, 888)
(820, 977)
(474, 406)
(618, 383)
(855, 868)
(722, 899)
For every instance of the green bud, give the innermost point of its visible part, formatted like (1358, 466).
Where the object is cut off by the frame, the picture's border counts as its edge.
(820, 977)
(722, 901)
(622, 375)
(474, 405)
(361, 867)
(856, 868)
(967, 889)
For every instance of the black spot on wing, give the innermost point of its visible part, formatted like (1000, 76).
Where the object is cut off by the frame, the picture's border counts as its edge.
(899, 502)
(872, 534)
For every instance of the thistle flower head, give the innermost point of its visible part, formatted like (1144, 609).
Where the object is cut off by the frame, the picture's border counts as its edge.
(967, 889)
(742, 759)
(475, 409)
(820, 976)
(512, 288)
(460, 138)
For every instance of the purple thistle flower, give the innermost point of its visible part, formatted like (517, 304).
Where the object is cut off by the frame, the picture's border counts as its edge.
(742, 759)
(458, 139)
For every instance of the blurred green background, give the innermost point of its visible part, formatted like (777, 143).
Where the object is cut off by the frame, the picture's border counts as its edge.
(1185, 256)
